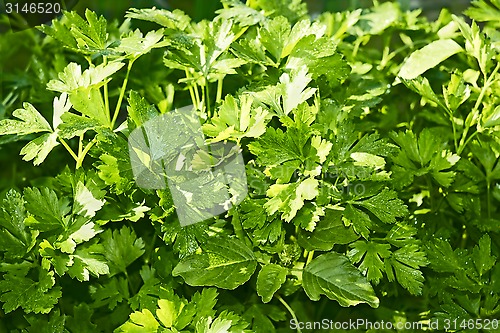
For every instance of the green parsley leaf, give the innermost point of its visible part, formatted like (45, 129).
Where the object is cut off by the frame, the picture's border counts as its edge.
(333, 275)
(19, 290)
(121, 248)
(269, 280)
(225, 264)
(372, 255)
(428, 57)
(30, 121)
(15, 238)
(329, 231)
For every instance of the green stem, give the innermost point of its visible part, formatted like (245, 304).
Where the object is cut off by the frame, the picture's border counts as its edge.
(197, 96)
(475, 110)
(80, 145)
(68, 148)
(470, 139)
(240, 33)
(455, 141)
(191, 90)
(106, 94)
(429, 187)
(488, 198)
(218, 98)
(122, 93)
(207, 93)
(309, 257)
(193, 97)
(130, 286)
(81, 156)
(292, 313)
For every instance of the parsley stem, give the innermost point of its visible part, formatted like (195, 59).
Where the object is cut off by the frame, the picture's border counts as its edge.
(193, 86)
(81, 156)
(194, 98)
(488, 197)
(68, 148)
(218, 97)
(309, 257)
(106, 93)
(199, 102)
(240, 33)
(455, 141)
(207, 93)
(80, 145)
(290, 310)
(475, 110)
(122, 93)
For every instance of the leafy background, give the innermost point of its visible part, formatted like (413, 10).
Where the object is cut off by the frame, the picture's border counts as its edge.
(371, 142)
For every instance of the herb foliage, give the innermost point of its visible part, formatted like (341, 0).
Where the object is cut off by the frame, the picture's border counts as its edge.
(371, 141)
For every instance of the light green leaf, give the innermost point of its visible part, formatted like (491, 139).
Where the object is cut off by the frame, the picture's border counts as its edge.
(30, 121)
(166, 312)
(240, 13)
(289, 198)
(140, 322)
(175, 19)
(295, 90)
(274, 36)
(368, 160)
(380, 17)
(224, 263)
(333, 275)
(322, 147)
(83, 233)
(87, 204)
(237, 119)
(219, 325)
(269, 280)
(476, 43)
(139, 111)
(38, 149)
(428, 57)
(72, 78)
(135, 44)
(61, 106)
(88, 260)
(90, 103)
(493, 119)
(91, 34)
(457, 92)
(74, 125)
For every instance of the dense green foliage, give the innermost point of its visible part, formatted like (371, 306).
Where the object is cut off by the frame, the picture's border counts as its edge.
(371, 142)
